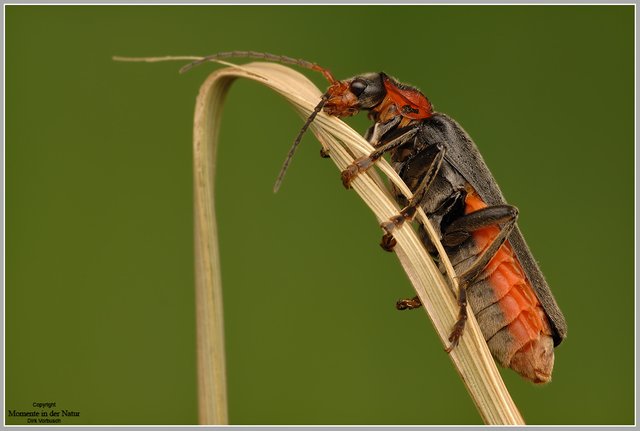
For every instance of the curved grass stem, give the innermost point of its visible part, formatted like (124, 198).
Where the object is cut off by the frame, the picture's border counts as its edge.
(471, 357)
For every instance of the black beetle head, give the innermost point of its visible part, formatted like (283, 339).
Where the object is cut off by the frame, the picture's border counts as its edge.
(368, 88)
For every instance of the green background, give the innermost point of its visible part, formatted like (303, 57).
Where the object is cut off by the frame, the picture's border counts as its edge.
(99, 247)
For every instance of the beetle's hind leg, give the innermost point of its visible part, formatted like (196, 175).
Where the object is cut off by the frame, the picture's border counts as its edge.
(455, 234)
(459, 231)
(408, 212)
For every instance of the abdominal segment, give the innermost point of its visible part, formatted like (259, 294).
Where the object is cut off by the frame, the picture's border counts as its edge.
(510, 315)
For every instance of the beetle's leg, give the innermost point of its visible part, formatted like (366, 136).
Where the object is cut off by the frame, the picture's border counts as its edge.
(447, 206)
(451, 206)
(374, 134)
(409, 211)
(369, 133)
(408, 304)
(458, 328)
(457, 232)
(389, 143)
(436, 218)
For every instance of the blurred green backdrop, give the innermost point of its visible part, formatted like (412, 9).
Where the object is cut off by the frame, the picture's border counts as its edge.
(99, 248)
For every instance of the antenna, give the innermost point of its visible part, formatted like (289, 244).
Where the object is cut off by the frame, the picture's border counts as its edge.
(278, 59)
(264, 56)
(293, 148)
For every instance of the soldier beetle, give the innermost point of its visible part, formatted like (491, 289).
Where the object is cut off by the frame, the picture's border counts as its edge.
(441, 165)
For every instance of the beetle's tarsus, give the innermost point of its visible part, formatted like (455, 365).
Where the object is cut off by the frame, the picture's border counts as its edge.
(409, 304)
(388, 242)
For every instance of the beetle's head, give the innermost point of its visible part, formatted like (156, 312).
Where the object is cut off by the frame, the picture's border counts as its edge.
(342, 99)
(346, 98)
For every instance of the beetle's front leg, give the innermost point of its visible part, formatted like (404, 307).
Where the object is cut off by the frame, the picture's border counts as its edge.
(372, 135)
(363, 163)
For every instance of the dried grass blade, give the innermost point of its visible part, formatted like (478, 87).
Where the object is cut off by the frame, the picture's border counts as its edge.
(471, 358)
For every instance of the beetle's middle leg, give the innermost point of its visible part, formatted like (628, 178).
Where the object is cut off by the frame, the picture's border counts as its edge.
(408, 212)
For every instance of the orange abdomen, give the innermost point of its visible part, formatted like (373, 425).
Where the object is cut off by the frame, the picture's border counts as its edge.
(512, 320)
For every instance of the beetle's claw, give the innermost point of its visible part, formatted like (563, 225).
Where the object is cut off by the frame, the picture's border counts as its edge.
(349, 174)
(388, 242)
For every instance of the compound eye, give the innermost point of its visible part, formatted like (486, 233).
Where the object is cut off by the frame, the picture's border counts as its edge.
(357, 87)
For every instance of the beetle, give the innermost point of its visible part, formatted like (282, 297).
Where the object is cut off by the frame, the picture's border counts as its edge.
(498, 276)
